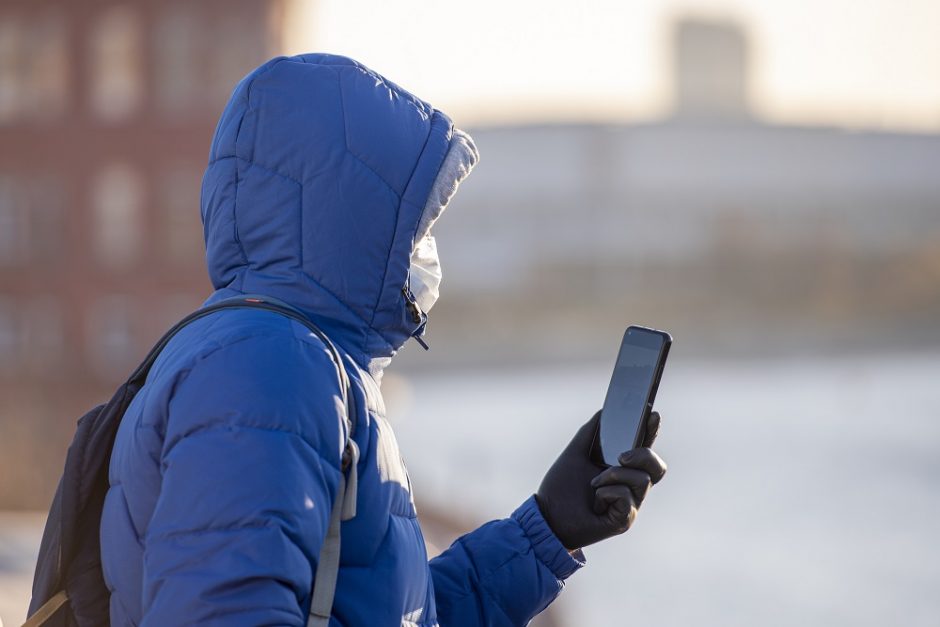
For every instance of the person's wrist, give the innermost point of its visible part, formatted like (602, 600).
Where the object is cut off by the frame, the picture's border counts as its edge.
(547, 546)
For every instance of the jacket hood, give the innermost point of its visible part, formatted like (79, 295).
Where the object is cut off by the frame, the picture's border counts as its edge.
(319, 175)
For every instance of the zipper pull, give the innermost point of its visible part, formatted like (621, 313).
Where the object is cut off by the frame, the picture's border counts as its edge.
(412, 305)
(417, 316)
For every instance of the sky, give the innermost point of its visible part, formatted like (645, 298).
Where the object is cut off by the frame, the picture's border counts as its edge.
(852, 63)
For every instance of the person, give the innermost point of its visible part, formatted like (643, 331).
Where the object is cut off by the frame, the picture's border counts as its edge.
(323, 186)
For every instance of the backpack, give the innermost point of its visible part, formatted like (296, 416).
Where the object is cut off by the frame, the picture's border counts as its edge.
(68, 585)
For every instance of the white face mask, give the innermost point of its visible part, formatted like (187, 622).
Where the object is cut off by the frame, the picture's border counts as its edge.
(425, 273)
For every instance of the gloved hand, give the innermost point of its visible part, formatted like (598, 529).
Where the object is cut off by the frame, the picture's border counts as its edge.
(583, 502)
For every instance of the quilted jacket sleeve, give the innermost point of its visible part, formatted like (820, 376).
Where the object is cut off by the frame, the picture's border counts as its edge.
(502, 574)
(248, 462)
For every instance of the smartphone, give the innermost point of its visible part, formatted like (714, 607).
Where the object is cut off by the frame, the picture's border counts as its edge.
(632, 390)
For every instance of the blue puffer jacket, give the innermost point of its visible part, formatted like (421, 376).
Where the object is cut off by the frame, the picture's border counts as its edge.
(227, 462)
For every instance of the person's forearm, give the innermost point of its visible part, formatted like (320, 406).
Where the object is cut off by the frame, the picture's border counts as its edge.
(516, 566)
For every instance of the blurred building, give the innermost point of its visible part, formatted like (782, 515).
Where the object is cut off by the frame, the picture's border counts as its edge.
(727, 229)
(106, 113)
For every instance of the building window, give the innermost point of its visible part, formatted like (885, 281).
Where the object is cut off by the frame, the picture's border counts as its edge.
(47, 69)
(238, 49)
(42, 335)
(30, 220)
(9, 337)
(110, 335)
(200, 57)
(117, 202)
(179, 58)
(33, 67)
(11, 229)
(116, 64)
(10, 36)
(180, 203)
(44, 206)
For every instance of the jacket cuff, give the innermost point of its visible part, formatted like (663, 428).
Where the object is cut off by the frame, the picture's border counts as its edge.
(548, 549)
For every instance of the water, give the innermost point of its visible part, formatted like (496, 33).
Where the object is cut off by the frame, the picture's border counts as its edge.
(798, 492)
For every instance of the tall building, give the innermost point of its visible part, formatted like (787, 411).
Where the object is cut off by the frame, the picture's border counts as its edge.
(710, 69)
(107, 109)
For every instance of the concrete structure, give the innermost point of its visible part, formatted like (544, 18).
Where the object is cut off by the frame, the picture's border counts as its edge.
(677, 191)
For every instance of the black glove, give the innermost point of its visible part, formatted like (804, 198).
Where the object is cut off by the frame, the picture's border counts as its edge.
(584, 502)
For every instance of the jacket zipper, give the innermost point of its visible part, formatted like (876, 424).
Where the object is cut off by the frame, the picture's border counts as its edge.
(417, 316)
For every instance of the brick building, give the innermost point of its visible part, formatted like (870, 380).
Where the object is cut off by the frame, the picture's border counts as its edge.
(106, 113)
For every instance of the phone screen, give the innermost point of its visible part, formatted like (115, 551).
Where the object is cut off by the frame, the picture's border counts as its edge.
(629, 392)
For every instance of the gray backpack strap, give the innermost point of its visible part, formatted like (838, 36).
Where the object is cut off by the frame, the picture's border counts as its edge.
(344, 508)
(344, 503)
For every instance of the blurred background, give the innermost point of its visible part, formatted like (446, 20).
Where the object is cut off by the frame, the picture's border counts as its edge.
(759, 177)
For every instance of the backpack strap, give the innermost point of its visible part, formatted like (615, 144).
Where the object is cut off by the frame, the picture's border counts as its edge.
(324, 582)
(251, 301)
(48, 610)
(344, 503)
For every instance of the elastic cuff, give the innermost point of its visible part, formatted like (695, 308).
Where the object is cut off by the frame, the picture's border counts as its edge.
(548, 549)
